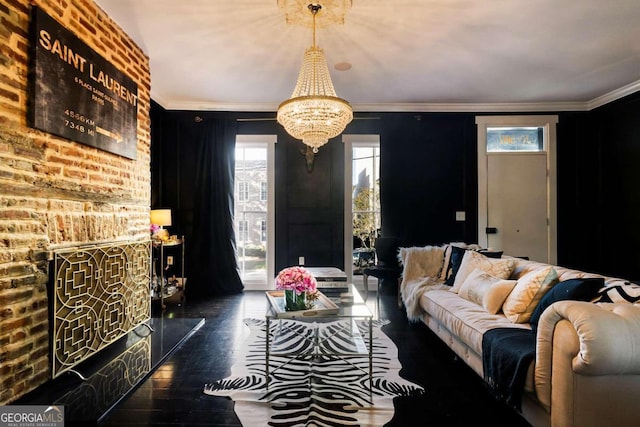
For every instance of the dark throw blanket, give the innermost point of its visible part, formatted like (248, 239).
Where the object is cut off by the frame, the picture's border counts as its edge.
(506, 356)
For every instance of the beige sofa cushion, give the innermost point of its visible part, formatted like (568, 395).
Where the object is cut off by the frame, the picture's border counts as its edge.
(496, 267)
(527, 293)
(485, 290)
(466, 319)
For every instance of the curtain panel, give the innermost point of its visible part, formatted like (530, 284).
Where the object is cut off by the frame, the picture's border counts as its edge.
(215, 269)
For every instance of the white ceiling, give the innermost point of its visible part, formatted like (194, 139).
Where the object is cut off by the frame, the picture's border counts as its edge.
(406, 55)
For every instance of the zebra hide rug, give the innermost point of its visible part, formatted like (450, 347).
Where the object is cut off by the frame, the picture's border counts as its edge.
(314, 390)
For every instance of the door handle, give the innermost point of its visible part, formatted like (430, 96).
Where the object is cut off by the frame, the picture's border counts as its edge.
(491, 230)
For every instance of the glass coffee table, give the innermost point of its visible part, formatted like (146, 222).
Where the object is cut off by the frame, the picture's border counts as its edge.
(320, 334)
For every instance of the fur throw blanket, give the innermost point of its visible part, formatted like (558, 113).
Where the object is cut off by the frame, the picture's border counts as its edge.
(421, 269)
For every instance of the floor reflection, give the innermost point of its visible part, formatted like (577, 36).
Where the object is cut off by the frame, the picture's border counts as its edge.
(115, 372)
(102, 390)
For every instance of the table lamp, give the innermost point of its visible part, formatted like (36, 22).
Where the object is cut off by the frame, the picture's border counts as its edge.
(161, 218)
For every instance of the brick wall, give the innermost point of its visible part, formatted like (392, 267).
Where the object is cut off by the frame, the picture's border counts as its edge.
(56, 193)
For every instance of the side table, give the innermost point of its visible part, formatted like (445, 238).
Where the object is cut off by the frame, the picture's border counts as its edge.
(161, 289)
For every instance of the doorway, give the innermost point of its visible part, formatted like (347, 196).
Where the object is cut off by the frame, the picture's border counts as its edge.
(517, 186)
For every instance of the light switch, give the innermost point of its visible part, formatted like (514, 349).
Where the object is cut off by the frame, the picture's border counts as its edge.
(460, 216)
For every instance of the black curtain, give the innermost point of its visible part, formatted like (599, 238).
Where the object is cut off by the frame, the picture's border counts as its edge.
(215, 269)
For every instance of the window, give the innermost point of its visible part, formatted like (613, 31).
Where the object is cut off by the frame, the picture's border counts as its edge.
(263, 231)
(365, 185)
(263, 191)
(362, 200)
(243, 233)
(243, 191)
(514, 139)
(254, 212)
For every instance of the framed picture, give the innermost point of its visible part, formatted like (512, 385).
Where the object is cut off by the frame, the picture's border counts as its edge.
(77, 94)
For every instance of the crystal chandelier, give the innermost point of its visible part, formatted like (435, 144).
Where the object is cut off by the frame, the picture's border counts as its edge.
(314, 113)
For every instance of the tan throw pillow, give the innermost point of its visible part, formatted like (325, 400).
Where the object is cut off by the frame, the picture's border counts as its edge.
(528, 292)
(496, 267)
(486, 290)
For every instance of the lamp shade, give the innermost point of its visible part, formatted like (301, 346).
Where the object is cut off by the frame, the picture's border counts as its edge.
(161, 217)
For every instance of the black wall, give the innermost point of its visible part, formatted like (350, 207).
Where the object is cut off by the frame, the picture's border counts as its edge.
(599, 189)
(428, 172)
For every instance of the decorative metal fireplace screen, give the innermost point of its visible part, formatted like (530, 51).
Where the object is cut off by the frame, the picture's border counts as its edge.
(93, 398)
(100, 294)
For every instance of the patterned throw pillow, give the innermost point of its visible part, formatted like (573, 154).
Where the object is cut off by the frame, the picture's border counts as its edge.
(486, 290)
(629, 293)
(528, 292)
(496, 267)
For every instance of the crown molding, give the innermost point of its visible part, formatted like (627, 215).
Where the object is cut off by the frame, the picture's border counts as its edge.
(489, 107)
(219, 106)
(614, 95)
(159, 99)
(497, 107)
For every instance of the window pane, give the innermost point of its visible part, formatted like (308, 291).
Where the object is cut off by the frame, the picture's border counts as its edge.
(243, 191)
(510, 139)
(242, 231)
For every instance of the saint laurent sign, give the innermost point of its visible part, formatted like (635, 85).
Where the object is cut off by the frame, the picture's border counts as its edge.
(77, 94)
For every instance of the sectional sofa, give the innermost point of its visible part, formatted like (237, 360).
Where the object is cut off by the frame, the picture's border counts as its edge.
(571, 353)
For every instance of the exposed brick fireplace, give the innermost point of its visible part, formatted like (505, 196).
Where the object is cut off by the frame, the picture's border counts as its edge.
(54, 193)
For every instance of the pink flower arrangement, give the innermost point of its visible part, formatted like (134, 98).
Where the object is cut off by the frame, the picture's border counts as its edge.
(297, 279)
(154, 228)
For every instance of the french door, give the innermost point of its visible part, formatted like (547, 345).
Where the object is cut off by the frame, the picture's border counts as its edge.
(254, 196)
(361, 201)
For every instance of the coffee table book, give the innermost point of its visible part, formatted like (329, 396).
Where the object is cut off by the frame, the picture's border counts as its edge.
(322, 306)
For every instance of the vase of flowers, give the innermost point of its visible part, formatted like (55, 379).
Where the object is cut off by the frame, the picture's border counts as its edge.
(299, 288)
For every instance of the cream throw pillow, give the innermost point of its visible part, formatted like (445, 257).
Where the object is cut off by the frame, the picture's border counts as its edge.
(528, 292)
(500, 268)
(486, 290)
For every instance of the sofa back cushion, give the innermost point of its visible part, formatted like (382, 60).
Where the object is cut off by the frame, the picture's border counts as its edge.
(523, 267)
(519, 305)
(486, 290)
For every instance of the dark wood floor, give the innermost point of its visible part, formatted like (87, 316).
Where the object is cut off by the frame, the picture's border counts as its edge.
(172, 395)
